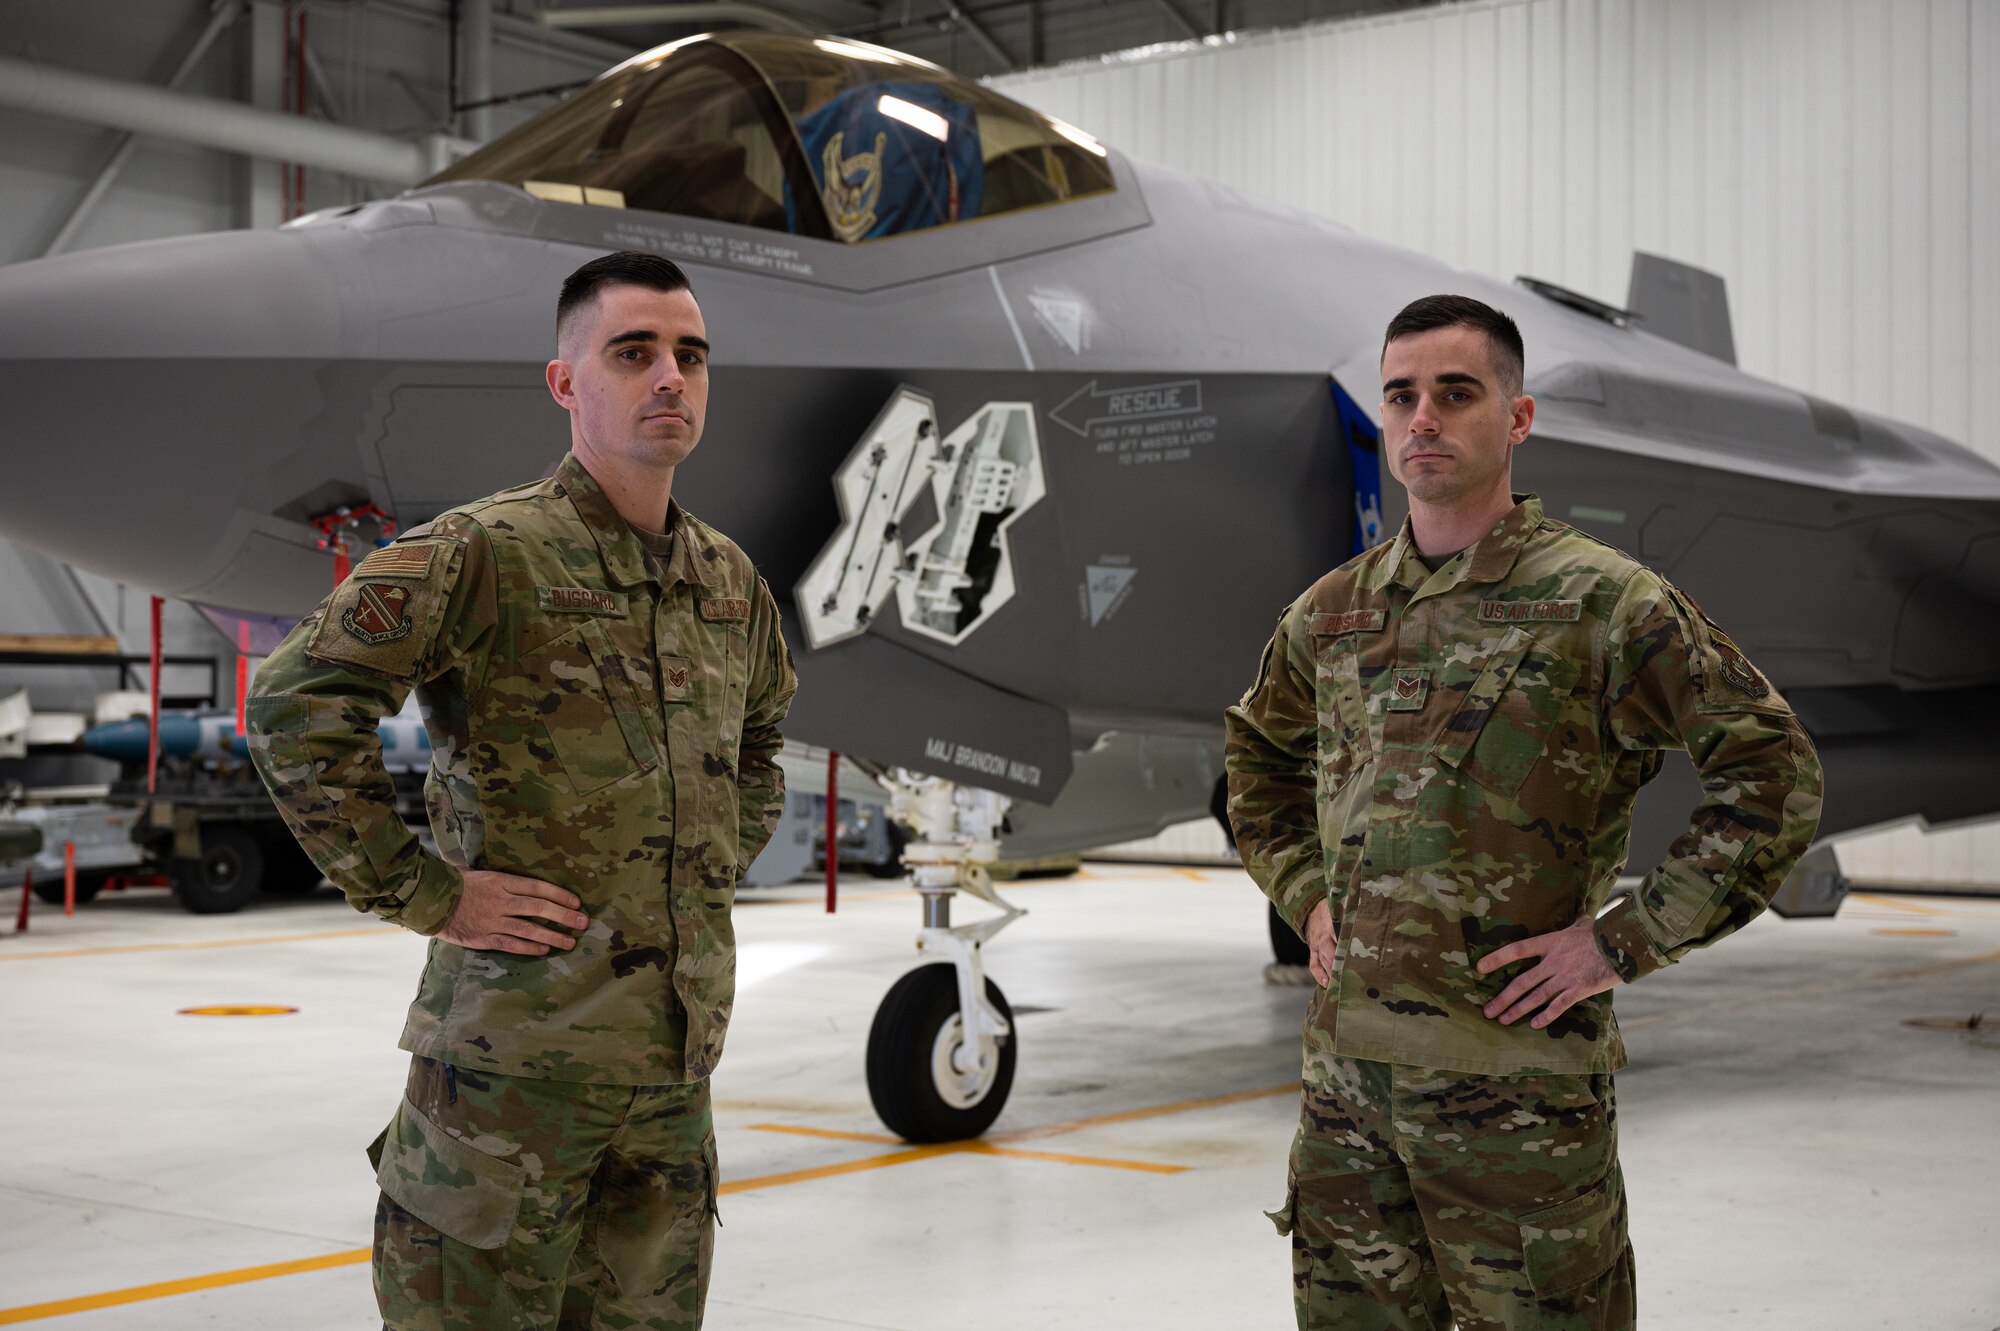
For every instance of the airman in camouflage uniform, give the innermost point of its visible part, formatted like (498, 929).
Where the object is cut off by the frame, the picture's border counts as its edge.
(1432, 779)
(603, 704)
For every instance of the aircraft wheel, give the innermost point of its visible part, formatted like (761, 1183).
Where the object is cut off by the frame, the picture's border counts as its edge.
(88, 885)
(228, 875)
(922, 1086)
(1287, 947)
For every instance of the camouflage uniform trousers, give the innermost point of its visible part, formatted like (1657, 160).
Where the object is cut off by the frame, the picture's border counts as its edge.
(1418, 1196)
(511, 1203)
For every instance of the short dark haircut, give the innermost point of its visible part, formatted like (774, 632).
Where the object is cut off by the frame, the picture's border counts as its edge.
(1444, 311)
(620, 268)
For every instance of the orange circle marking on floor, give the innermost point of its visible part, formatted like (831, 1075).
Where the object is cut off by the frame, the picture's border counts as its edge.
(1917, 933)
(236, 1010)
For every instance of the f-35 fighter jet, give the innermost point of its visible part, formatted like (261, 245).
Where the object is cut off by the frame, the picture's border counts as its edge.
(1038, 440)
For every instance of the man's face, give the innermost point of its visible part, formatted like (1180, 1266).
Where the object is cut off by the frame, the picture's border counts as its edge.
(1448, 423)
(633, 374)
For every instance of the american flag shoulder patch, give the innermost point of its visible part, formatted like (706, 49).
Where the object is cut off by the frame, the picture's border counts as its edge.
(404, 559)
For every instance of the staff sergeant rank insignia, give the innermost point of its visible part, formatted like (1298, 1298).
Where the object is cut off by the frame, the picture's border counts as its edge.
(378, 614)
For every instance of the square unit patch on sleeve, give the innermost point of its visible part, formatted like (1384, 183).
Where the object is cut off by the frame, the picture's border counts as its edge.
(383, 618)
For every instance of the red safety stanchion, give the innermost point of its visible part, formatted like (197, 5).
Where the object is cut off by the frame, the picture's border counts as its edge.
(153, 716)
(242, 673)
(27, 895)
(69, 878)
(832, 830)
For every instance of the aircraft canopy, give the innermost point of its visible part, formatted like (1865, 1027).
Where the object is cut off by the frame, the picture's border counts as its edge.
(814, 136)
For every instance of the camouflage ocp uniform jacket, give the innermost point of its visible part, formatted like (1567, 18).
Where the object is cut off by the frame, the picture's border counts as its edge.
(1450, 758)
(593, 723)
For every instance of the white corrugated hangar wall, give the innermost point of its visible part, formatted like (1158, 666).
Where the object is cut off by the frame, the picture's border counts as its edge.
(1836, 161)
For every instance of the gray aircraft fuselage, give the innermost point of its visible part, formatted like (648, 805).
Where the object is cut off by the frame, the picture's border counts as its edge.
(178, 409)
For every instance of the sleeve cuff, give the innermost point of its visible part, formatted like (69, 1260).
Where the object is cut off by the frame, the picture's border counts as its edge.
(427, 903)
(1622, 939)
(1296, 902)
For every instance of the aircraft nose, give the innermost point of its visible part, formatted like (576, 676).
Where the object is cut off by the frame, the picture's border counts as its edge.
(146, 393)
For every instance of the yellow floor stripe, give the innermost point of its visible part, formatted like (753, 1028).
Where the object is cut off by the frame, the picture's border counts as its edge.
(354, 1257)
(1055, 1129)
(1892, 903)
(1153, 1111)
(835, 1171)
(976, 1148)
(1972, 913)
(378, 931)
(828, 1134)
(140, 1293)
(1058, 1158)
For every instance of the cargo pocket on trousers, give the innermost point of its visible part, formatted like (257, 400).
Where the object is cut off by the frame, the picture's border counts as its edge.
(1573, 1243)
(452, 1186)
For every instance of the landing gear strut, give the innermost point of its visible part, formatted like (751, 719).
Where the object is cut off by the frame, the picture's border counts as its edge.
(941, 1052)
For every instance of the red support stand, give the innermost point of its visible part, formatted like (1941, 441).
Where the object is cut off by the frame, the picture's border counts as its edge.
(333, 527)
(832, 830)
(69, 878)
(27, 895)
(153, 716)
(242, 673)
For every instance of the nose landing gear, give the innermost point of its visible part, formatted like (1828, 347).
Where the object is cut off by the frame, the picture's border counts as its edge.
(942, 1049)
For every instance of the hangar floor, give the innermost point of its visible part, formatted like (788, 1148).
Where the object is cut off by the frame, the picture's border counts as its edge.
(1798, 1155)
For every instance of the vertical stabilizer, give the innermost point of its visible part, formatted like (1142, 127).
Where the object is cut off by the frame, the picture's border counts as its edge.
(1683, 304)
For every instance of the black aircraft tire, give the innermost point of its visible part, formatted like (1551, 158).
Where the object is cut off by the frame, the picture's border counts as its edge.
(1286, 946)
(901, 1046)
(288, 871)
(88, 885)
(228, 875)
